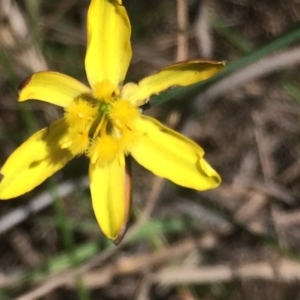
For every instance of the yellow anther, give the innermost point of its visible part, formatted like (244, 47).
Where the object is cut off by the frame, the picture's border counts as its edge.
(100, 127)
(104, 149)
(80, 143)
(105, 91)
(123, 114)
(66, 145)
(79, 114)
(76, 143)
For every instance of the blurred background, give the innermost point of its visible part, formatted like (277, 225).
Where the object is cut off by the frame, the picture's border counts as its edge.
(240, 241)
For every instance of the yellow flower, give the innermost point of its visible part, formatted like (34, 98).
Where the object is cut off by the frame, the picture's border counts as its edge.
(104, 123)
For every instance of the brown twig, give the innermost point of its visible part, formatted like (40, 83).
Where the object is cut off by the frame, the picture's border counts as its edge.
(182, 36)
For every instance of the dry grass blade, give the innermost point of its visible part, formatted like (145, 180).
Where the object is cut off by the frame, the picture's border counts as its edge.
(286, 271)
(264, 67)
(16, 39)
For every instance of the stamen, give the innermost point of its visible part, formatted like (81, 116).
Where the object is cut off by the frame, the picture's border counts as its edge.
(80, 143)
(104, 150)
(123, 114)
(99, 127)
(76, 143)
(103, 128)
(104, 90)
(108, 119)
(66, 145)
(79, 114)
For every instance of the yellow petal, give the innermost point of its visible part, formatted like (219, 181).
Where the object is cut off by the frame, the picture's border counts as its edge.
(111, 197)
(108, 48)
(171, 155)
(34, 161)
(179, 74)
(52, 87)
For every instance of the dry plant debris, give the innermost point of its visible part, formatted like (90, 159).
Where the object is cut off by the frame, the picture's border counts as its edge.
(240, 241)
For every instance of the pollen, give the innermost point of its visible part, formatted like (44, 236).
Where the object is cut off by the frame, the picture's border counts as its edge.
(80, 114)
(105, 91)
(76, 143)
(123, 114)
(104, 149)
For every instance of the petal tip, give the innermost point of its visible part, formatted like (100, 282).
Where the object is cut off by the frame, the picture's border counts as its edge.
(23, 84)
(210, 173)
(119, 238)
(217, 179)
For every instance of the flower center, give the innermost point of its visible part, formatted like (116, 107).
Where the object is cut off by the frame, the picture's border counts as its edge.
(103, 128)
